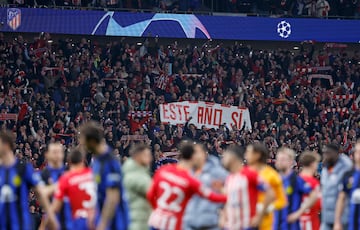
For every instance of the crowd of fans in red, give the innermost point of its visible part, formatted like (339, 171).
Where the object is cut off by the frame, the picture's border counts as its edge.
(300, 99)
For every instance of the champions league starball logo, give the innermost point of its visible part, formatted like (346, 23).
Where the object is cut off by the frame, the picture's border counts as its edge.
(188, 23)
(284, 29)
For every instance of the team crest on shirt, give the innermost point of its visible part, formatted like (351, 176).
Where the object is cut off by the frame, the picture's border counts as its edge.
(16, 181)
(97, 179)
(289, 190)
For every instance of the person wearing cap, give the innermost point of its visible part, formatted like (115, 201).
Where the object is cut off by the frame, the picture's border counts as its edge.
(336, 167)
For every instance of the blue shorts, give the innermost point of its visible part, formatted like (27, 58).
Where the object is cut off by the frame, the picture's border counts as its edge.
(80, 223)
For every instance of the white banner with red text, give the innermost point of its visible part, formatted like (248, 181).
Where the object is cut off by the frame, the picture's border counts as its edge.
(206, 114)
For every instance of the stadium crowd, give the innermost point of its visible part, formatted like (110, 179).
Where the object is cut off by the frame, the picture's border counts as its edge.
(302, 99)
(48, 89)
(293, 8)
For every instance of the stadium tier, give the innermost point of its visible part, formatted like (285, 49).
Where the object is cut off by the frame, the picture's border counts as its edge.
(166, 121)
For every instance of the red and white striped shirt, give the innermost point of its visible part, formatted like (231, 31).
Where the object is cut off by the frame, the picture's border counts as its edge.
(242, 194)
(169, 194)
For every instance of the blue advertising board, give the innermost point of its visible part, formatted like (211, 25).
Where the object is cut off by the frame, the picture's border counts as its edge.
(177, 25)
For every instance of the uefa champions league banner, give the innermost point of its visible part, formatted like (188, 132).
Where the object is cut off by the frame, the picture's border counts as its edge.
(177, 25)
(206, 114)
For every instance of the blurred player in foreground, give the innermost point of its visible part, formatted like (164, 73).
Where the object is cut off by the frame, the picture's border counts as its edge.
(54, 155)
(79, 187)
(309, 161)
(106, 168)
(256, 156)
(336, 168)
(350, 191)
(172, 188)
(200, 212)
(295, 187)
(16, 179)
(242, 187)
(137, 181)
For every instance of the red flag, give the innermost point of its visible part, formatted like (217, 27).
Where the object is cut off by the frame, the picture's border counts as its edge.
(279, 101)
(23, 111)
(39, 47)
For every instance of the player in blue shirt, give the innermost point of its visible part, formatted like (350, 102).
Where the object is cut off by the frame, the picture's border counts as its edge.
(295, 187)
(54, 155)
(16, 179)
(111, 198)
(350, 194)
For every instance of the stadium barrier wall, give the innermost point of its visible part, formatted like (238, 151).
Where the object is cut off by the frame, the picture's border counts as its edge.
(111, 23)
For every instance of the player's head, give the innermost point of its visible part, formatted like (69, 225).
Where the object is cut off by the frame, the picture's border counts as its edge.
(54, 154)
(200, 155)
(285, 159)
(309, 161)
(141, 153)
(256, 153)
(76, 157)
(357, 153)
(187, 152)
(7, 142)
(330, 154)
(91, 135)
(233, 155)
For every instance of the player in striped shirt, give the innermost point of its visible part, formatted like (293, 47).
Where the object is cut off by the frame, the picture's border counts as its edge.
(242, 189)
(78, 185)
(111, 198)
(295, 187)
(350, 195)
(54, 155)
(309, 162)
(172, 188)
(16, 179)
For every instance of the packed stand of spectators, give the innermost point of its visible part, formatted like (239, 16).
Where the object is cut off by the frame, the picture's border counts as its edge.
(292, 8)
(49, 88)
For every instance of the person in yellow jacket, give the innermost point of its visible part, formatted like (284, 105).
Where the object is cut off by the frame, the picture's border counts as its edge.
(256, 156)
